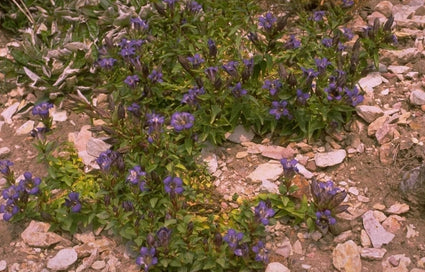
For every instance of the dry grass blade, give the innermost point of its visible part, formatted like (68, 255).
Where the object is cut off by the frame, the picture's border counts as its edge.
(24, 10)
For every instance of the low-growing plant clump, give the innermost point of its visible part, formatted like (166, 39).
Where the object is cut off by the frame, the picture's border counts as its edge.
(176, 74)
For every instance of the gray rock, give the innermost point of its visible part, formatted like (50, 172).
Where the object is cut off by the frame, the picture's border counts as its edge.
(270, 171)
(412, 187)
(330, 158)
(37, 235)
(384, 7)
(96, 146)
(364, 239)
(397, 69)
(276, 152)
(396, 263)
(371, 81)
(240, 134)
(4, 151)
(417, 97)
(373, 254)
(346, 257)
(377, 234)
(276, 267)
(344, 236)
(25, 128)
(9, 112)
(402, 57)
(269, 186)
(369, 113)
(63, 259)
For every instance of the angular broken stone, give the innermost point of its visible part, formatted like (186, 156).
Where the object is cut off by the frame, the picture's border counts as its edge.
(369, 113)
(240, 134)
(398, 208)
(373, 254)
(96, 146)
(377, 234)
(276, 152)
(397, 69)
(412, 187)
(270, 171)
(63, 259)
(37, 235)
(346, 257)
(384, 7)
(276, 267)
(417, 97)
(330, 158)
(371, 80)
(396, 263)
(4, 151)
(9, 112)
(25, 128)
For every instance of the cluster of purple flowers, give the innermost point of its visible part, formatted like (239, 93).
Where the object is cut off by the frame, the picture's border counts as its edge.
(324, 219)
(173, 185)
(139, 24)
(106, 63)
(263, 212)
(353, 96)
(292, 42)
(155, 122)
(155, 76)
(240, 249)
(319, 15)
(5, 167)
(182, 120)
(279, 109)
(289, 167)
(238, 91)
(302, 97)
(129, 47)
(231, 68)
(132, 81)
(108, 159)
(196, 60)
(267, 21)
(42, 110)
(137, 177)
(147, 258)
(73, 202)
(194, 7)
(272, 85)
(191, 97)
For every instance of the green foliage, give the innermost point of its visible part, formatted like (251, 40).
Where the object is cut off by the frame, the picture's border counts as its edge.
(177, 76)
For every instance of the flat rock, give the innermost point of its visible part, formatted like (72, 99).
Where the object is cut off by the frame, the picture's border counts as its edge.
(384, 7)
(398, 208)
(369, 113)
(371, 81)
(37, 235)
(96, 146)
(3, 265)
(276, 152)
(346, 257)
(364, 239)
(417, 97)
(376, 125)
(269, 186)
(276, 267)
(402, 57)
(270, 171)
(63, 259)
(59, 116)
(303, 171)
(392, 223)
(412, 187)
(9, 112)
(396, 263)
(240, 134)
(25, 128)
(330, 158)
(377, 234)
(4, 151)
(373, 254)
(399, 69)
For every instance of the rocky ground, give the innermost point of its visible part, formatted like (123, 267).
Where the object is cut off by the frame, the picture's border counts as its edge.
(378, 159)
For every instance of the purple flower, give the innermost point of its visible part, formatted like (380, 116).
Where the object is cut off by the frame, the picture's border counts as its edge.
(170, 2)
(318, 15)
(327, 42)
(134, 109)
(194, 7)
(232, 238)
(139, 24)
(106, 63)
(347, 3)
(196, 60)
(13, 192)
(231, 68)
(302, 97)
(322, 64)
(127, 52)
(127, 205)
(261, 253)
(324, 219)
(163, 237)
(248, 68)
(30, 184)
(136, 177)
(327, 196)
(42, 109)
(267, 21)
(212, 48)
(182, 120)
(348, 33)
(110, 158)
(73, 202)
(263, 212)
(173, 185)
(155, 122)
(279, 109)
(132, 81)
(273, 86)
(289, 167)
(147, 258)
(309, 73)
(333, 91)
(237, 90)
(353, 96)
(4, 167)
(292, 43)
(155, 76)
(211, 73)
(341, 46)
(9, 209)
(191, 96)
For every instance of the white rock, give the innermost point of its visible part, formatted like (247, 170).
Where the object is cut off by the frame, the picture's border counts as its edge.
(9, 112)
(96, 146)
(239, 135)
(98, 265)
(63, 259)
(373, 253)
(377, 234)
(330, 158)
(369, 113)
(276, 267)
(384, 7)
(26, 128)
(398, 208)
(37, 235)
(303, 171)
(396, 263)
(4, 151)
(59, 116)
(411, 232)
(297, 247)
(269, 186)
(3, 265)
(346, 257)
(397, 69)
(417, 97)
(270, 171)
(371, 80)
(276, 152)
(364, 239)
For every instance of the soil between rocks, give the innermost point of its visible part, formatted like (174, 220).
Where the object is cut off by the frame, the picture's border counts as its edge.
(376, 180)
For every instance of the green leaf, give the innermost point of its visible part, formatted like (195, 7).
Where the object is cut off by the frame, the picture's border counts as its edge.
(153, 202)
